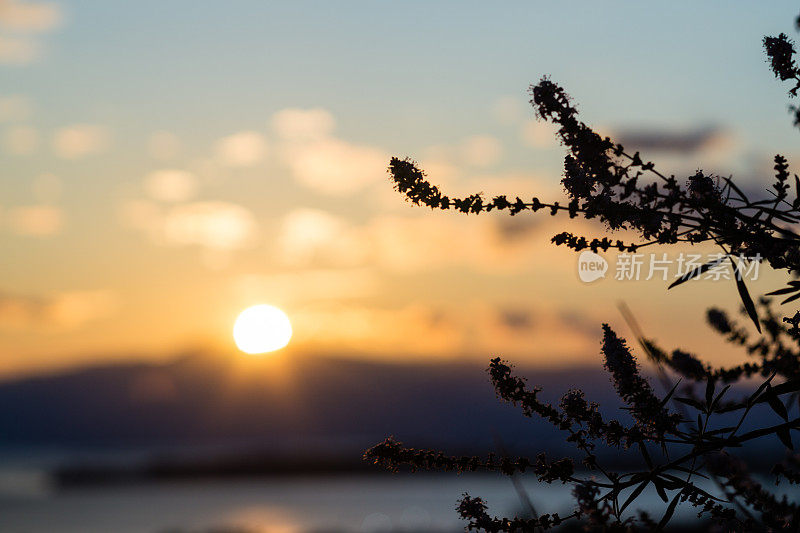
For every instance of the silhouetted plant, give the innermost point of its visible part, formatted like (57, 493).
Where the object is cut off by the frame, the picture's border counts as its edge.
(684, 435)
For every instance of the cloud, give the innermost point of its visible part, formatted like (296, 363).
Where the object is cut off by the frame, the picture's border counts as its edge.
(516, 318)
(676, 141)
(214, 225)
(243, 149)
(317, 238)
(170, 185)
(517, 328)
(578, 322)
(59, 311)
(18, 22)
(335, 167)
(20, 140)
(217, 227)
(35, 220)
(29, 17)
(321, 162)
(163, 145)
(514, 229)
(294, 124)
(313, 236)
(80, 140)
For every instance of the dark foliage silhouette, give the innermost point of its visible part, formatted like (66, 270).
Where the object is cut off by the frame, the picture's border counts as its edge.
(696, 430)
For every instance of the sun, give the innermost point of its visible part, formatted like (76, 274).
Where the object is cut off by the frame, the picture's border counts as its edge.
(262, 328)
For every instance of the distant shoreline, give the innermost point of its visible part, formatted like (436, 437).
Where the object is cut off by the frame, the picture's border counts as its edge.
(240, 467)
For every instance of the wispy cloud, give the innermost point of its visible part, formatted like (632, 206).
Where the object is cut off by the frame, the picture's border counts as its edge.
(676, 141)
(29, 17)
(335, 167)
(213, 225)
(295, 124)
(322, 162)
(170, 185)
(20, 22)
(243, 149)
(313, 238)
(80, 140)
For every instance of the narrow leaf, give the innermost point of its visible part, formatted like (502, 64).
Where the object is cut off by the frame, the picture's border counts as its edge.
(638, 490)
(668, 514)
(660, 490)
(796, 202)
(719, 397)
(689, 471)
(645, 455)
(720, 431)
(786, 438)
(710, 384)
(733, 186)
(689, 401)
(761, 387)
(776, 404)
(745, 296)
(791, 298)
(731, 408)
(785, 290)
(673, 483)
(791, 385)
(695, 272)
(670, 393)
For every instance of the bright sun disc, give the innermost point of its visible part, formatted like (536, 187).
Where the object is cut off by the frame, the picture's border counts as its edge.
(262, 328)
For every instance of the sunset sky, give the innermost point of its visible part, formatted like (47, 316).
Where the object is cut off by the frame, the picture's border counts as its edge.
(168, 164)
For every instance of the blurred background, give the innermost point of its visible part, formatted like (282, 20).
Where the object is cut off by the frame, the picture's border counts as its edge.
(167, 165)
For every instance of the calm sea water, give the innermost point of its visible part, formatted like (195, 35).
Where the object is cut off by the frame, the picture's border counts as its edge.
(316, 504)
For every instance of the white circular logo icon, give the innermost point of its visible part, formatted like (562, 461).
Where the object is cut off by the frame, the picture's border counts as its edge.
(591, 266)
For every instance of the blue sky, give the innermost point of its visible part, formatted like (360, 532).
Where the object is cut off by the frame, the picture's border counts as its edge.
(193, 65)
